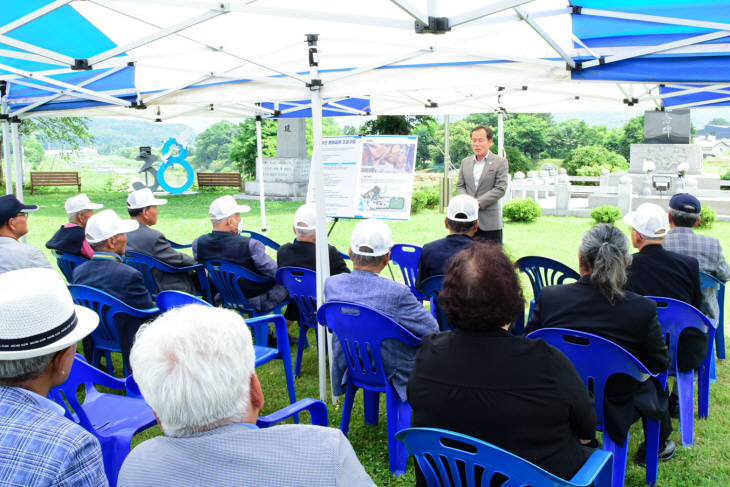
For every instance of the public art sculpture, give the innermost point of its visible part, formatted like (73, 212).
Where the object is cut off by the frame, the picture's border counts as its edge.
(154, 178)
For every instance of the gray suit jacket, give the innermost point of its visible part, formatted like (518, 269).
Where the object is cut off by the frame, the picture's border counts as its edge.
(146, 240)
(395, 301)
(491, 188)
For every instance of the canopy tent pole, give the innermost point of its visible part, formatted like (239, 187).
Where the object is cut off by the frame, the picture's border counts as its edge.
(500, 133)
(6, 141)
(260, 173)
(447, 164)
(14, 125)
(323, 263)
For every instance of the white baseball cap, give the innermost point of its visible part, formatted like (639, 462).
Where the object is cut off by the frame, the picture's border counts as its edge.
(306, 217)
(465, 205)
(649, 220)
(38, 316)
(372, 233)
(142, 199)
(106, 224)
(224, 207)
(80, 202)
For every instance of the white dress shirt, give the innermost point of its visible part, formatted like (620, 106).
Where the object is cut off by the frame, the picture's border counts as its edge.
(478, 169)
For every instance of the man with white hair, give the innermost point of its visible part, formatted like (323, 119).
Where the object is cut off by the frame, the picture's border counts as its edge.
(71, 237)
(303, 252)
(370, 246)
(195, 368)
(39, 328)
(106, 271)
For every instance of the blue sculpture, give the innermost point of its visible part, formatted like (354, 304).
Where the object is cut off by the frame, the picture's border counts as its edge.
(168, 160)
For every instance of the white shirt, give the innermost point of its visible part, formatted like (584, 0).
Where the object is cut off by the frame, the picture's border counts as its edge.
(44, 402)
(478, 169)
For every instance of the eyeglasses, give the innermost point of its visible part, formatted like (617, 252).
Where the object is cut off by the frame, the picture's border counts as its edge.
(22, 214)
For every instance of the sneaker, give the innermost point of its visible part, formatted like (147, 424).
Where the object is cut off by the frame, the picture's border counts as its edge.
(664, 453)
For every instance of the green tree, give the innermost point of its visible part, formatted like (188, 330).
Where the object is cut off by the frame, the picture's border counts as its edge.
(459, 142)
(426, 143)
(633, 133)
(349, 130)
(589, 161)
(33, 152)
(530, 134)
(394, 124)
(329, 129)
(570, 134)
(210, 143)
(244, 151)
(485, 119)
(516, 160)
(70, 133)
(718, 121)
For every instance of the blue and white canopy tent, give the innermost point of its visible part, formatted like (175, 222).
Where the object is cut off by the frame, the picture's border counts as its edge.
(162, 59)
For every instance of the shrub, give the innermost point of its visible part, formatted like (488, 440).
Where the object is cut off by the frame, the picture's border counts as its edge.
(707, 217)
(726, 176)
(543, 155)
(516, 160)
(596, 158)
(522, 210)
(425, 196)
(606, 214)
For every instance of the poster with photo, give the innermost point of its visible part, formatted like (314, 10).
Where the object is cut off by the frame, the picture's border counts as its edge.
(367, 177)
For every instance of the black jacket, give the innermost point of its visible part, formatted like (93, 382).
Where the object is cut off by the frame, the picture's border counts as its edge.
(655, 271)
(435, 256)
(630, 323)
(68, 240)
(519, 394)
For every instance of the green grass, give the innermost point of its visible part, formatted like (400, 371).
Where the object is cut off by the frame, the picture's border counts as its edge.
(707, 463)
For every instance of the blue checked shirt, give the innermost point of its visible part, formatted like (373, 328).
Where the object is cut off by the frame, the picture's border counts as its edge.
(39, 447)
(708, 253)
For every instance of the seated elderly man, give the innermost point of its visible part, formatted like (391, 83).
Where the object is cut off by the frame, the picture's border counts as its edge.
(370, 252)
(462, 222)
(142, 207)
(225, 243)
(303, 252)
(71, 238)
(195, 367)
(39, 328)
(106, 271)
(16, 255)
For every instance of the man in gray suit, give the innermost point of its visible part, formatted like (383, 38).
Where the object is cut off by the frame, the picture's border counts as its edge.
(491, 172)
(195, 367)
(142, 207)
(370, 252)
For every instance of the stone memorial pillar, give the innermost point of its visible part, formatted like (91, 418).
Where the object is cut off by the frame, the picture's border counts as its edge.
(520, 179)
(625, 192)
(604, 177)
(563, 193)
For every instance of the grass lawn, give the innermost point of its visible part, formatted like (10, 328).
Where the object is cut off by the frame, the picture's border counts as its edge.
(707, 463)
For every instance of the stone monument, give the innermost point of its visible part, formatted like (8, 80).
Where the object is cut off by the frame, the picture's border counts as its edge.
(286, 177)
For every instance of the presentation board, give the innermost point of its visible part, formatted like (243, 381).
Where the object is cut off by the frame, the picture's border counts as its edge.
(367, 176)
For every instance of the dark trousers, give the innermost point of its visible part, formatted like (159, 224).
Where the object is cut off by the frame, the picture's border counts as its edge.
(490, 235)
(665, 428)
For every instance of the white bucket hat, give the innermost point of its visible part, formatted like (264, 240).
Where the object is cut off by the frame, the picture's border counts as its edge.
(106, 224)
(649, 220)
(224, 207)
(463, 204)
(372, 233)
(80, 202)
(38, 316)
(306, 217)
(142, 199)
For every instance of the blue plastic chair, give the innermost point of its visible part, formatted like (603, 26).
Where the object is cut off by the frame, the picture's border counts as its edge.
(360, 331)
(542, 271)
(106, 306)
(596, 359)
(466, 460)
(675, 316)
(302, 286)
(707, 280)
(111, 418)
(406, 257)
(67, 262)
(145, 264)
(317, 411)
(261, 238)
(166, 300)
(225, 277)
(178, 246)
(431, 288)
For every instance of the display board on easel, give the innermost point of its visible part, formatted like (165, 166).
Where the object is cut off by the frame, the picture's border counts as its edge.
(367, 176)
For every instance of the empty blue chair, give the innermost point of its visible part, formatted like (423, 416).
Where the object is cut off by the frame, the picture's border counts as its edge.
(106, 306)
(430, 289)
(178, 246)
(675, 316)
(67, 262)
(596, 359)
(406, 257)
(706, 280)
(467, 461)
(302, 287)
(360, 331)
(145, 264)
(542, 271)
(111, 418)
(261, 238)
(225, 277)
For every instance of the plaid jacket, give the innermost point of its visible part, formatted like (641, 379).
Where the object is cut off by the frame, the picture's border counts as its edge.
(38, 447)
(708, 253)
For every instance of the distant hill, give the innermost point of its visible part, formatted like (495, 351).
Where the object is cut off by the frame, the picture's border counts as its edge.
(118, 132)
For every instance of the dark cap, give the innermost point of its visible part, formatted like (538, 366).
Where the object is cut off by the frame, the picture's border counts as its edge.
(11, 206)
(685, 202)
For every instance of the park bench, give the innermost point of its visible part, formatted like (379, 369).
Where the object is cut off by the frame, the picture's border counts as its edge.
(220, 179)
(65, 178)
